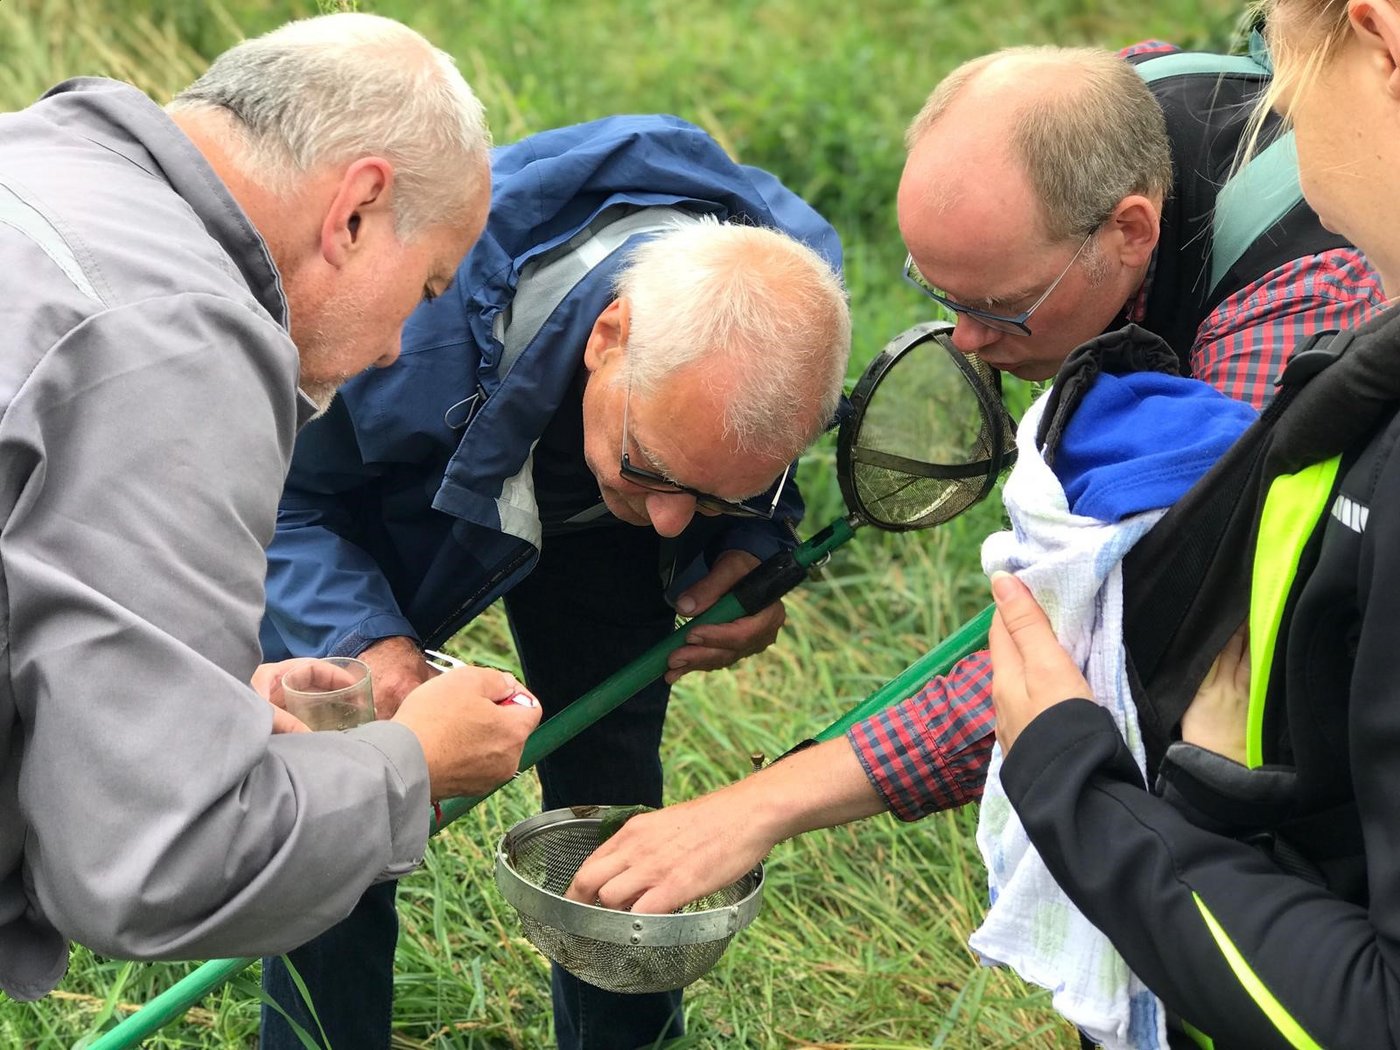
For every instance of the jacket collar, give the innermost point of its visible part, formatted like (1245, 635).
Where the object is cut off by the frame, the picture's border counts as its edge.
(122, 119)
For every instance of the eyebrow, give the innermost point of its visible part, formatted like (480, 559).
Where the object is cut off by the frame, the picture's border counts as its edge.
(1002, 300)
(651, 460)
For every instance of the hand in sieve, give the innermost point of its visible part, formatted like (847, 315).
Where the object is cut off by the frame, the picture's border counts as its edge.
(661, 860)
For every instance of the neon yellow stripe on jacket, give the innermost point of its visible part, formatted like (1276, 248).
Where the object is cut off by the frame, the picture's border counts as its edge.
(1292, 509)
(1202, 1040)
(1258, 991)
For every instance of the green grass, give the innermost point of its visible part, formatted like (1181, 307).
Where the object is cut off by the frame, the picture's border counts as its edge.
(862, 939)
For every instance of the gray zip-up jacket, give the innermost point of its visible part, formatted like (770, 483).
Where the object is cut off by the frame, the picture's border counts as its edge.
(148, 404)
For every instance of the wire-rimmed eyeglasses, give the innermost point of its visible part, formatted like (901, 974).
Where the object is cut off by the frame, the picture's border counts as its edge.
(1017, 325)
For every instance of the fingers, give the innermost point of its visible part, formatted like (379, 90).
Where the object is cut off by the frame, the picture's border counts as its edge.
(729, 568)
(490, 682)
(617, 876)
(603, 866)
(1024, 621)
(267, 678)
(1031, 671)
(319, 676)
(286, 722)
(1236, 652)
(715, 645)
(1006, 657)
(1049, 672)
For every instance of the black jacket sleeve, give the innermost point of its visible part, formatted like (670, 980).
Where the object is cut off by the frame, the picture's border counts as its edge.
(1246, 953)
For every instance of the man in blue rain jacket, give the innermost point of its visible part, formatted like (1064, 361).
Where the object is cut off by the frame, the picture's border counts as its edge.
(647, 334)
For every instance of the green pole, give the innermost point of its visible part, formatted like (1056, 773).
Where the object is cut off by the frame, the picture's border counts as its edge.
(609, 694)
(169, 1004)
(966, 640)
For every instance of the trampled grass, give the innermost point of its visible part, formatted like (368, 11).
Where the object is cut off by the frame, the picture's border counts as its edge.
(862, 939)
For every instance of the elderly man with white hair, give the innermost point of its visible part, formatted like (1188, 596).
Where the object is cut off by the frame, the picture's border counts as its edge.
(596, 423)
(169, 280)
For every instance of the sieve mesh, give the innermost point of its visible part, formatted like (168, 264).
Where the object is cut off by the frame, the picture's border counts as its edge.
(596, 944)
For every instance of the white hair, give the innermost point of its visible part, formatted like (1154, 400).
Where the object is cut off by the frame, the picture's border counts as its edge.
(334, 88)
(767, 311)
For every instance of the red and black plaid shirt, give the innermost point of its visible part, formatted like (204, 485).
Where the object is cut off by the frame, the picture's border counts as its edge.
(930, 752)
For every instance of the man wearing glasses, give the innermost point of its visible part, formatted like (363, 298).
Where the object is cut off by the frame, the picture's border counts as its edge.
(595, 422)
(1049, 195)
(1052, 194)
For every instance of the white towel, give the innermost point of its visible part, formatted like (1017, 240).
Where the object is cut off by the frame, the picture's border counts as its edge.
(1072, 565)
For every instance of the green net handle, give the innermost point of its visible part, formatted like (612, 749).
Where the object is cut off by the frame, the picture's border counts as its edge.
(963, 642)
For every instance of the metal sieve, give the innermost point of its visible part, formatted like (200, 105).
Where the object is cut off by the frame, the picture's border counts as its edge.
(615, 950)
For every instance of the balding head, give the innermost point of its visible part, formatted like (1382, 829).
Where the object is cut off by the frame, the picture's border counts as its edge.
(744, 308)
(1032, 169)
(1079, 124)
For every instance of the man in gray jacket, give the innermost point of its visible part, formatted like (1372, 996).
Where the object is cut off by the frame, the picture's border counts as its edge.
(180, 290)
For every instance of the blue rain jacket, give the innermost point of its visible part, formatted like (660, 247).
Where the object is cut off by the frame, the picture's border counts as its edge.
(409, 506)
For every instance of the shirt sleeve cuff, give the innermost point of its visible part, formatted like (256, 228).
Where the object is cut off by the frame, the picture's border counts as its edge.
(410, 802)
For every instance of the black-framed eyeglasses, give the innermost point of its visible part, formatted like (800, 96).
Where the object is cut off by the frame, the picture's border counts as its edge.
(761, 506)
(1011, 325)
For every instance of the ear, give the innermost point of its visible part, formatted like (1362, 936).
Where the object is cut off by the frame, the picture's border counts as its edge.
(608, 340)
(1135, 226)
(360, 210)
(1376, 26)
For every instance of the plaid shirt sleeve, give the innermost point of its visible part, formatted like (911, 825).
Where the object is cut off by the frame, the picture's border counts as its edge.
(930, 752)
(1242, 346)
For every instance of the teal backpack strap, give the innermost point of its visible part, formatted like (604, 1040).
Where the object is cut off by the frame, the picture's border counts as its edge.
(1186, 63)
(1257, 196)
(1262, 192)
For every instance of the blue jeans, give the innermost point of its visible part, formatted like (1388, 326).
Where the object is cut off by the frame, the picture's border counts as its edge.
(593, 603)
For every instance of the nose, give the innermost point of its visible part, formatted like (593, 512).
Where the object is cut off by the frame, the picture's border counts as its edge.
(971, 335)
(670, 512)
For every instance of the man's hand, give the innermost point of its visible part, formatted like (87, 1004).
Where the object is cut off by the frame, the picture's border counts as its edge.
(397, 667)
(267, 683)
(714, 645)
(471, 744)
(659, 861)
(1216, 717)
(1031, 672)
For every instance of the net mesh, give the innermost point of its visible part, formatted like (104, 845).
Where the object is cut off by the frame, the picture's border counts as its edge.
(929, 443)
(547, 859)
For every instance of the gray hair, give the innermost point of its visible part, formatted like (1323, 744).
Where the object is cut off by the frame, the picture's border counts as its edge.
(767, 310)
(331, 89)
(1086, 139)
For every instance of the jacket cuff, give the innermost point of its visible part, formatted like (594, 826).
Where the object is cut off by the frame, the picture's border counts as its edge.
(1222, 796)
(409, 801)
(761, 540)
(370, 630)
(1079, 731)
